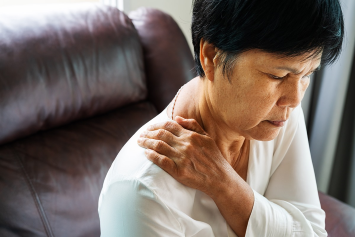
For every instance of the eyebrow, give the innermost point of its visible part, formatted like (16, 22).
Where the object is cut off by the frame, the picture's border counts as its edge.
(295, 71)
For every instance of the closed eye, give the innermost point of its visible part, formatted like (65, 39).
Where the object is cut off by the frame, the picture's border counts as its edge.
(276, 77)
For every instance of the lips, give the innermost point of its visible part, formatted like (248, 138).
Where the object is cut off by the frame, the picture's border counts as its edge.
(277, 123)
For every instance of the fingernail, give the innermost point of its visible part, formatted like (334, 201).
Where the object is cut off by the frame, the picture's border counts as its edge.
(150, 127)
(139, 140)
(143, 134)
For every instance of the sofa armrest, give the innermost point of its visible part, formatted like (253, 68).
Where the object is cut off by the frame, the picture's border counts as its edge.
(167, 57)
(340, 217)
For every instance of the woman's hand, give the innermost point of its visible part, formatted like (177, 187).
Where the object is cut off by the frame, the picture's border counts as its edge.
(185, 151)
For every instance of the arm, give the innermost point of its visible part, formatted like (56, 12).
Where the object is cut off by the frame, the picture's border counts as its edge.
(290, 206)
(290, 203)
(128, 208)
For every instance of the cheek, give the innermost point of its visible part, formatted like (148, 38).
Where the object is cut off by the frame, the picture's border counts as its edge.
(249, 107)
(258, 103)
(245, 102)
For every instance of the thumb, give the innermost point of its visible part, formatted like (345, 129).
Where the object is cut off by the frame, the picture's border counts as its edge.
(190, 124)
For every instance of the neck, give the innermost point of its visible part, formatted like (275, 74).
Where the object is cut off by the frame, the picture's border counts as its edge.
(194, 102)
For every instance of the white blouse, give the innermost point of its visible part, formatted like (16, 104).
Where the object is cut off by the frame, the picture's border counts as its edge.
(139, 199)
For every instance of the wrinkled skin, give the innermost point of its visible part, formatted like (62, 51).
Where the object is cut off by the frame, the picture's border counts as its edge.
(211, 144)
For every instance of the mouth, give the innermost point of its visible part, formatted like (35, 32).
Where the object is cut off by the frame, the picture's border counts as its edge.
(277, 123)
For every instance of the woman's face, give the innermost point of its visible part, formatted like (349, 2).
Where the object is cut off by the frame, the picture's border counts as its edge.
(264, 89)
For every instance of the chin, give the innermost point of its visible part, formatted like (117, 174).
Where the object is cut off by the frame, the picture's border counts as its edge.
(264, 135)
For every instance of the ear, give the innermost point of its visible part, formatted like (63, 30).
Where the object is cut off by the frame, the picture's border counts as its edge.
(208, 53)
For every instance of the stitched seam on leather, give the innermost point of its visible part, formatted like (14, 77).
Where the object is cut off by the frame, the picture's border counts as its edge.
(36, 198)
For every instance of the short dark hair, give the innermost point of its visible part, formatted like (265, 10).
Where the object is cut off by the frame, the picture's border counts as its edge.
(285, 27)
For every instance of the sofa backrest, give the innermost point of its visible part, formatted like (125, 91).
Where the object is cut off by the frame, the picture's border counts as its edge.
(63, 63)
(72, 92)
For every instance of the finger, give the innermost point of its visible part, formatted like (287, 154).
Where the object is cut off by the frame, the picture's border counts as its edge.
(162, 161)
(170, 126)
(190, 124)
(160, 134)
(158, 146)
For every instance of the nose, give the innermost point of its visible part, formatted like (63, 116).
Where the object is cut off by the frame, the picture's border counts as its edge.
(292, 93)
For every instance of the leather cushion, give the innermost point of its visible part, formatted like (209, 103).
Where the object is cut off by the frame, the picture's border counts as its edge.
(340, 218)
(50, 182)
(65, 62)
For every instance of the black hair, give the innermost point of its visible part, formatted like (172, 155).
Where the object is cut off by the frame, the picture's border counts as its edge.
(284, 27)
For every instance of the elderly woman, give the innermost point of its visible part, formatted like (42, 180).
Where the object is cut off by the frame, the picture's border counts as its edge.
(229, 156)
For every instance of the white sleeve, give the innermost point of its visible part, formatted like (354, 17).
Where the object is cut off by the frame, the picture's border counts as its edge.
(290, 205)
(128, 208)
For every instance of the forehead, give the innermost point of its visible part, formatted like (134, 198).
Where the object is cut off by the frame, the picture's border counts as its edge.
(261, 58)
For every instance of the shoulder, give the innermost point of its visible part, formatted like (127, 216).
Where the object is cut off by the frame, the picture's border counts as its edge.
(130, 162)
(132, 171)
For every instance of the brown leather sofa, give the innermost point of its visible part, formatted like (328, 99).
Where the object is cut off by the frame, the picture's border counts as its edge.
(76, 82)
